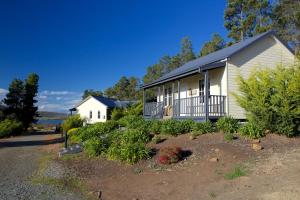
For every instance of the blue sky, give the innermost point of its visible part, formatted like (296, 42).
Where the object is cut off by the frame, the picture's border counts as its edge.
(75, 45)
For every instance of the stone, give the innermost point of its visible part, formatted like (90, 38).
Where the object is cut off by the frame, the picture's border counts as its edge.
(217, 150)
(234, 157)
(257, 147)
(214, 160)
(192, 137)
(256, 141)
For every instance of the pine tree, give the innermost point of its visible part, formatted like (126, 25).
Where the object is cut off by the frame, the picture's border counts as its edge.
(91, 92)
(246, 18)
(186, 52)
(216, 43)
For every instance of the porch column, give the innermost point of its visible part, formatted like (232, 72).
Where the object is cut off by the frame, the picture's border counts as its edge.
(173, 99)
(158, 94)
(163, 88)
(206, 95)
(144, 101)
(178, 88)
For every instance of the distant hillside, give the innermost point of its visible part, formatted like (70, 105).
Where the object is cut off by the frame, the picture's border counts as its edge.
(52, 115)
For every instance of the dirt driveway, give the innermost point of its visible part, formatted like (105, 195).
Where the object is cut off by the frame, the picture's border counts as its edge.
(20, 159)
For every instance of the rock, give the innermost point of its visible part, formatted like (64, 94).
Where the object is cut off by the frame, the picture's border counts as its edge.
(257, 147)
(256, 141)
(267, 132)
(234, 157)
(192, 137)
(217, 150)
(214, 160)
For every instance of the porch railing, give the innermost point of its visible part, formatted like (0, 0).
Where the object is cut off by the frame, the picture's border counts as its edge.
(189, 107)
(153, 109)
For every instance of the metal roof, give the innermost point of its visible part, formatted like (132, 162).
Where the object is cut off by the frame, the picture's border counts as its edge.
(210, 60)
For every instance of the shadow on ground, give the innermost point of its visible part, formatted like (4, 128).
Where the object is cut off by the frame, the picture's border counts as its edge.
(30, 142)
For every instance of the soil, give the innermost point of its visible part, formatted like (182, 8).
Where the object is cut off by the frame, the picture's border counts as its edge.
(271, 173)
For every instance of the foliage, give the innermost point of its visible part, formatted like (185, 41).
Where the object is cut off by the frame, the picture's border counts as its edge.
(271, 99)
(187, 125)
(117, 113)
(227, 124)
(169, 155)
(73, 121)
(202, 127)
(171, 127)
(238, 171)
(216, 43)
(252, 130)
(129, 146)
(228, 136)
(72, 131)
(155, 126)
(96, 146)
(124, 89)
(135, 122)
(91, 92)
(186, 52)
(10, 127)
(244, 18)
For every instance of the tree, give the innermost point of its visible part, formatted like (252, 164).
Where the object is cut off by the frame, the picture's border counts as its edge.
(186, 52)
(29, 101)
(91, 92)
(216, 43)
(286, 21)
(246, 18)
(14, 99)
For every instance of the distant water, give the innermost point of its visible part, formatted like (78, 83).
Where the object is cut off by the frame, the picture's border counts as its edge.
(50, 121)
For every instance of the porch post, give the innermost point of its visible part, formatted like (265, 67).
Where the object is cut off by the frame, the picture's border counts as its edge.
(206, 95)
(178, 109)
(144, 99)
(163, 88)
(173, 99)
(158, 93)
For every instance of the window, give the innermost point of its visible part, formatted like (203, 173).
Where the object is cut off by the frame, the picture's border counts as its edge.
(91, 114)
(98, 114)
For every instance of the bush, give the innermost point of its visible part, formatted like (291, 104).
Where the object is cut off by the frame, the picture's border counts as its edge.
(73, 121)
(252, 130)
(96, 146)
(157, 139)
(129, 146)
(155, 126)
(202, 128)
(171, 127)
(271, 99)
(117, 114)
(10, 127)
(169, 155)
(228, 136)
(227, 124)
(187, 125)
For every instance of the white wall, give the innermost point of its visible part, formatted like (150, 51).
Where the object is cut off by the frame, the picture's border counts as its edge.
(92, 105)
(266, 53)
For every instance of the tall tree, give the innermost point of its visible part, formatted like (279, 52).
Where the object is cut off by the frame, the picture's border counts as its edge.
(246, 18)
(216, 43)
(14, 99)
(91, 92)
(186, 52)
(29, 101)
(286, 21)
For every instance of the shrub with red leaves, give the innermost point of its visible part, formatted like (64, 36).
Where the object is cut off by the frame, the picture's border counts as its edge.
(169, 155)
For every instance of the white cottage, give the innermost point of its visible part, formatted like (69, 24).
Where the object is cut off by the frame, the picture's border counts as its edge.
(202, 89)
(98, 108)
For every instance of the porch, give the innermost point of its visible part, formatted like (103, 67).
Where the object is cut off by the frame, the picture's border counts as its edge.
(199, 96)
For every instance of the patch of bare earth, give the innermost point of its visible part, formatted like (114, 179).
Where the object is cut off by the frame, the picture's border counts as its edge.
(272, 173)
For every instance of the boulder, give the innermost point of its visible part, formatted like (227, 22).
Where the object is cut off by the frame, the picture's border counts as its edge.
(214, 160)
(257, 147)
(256, 141)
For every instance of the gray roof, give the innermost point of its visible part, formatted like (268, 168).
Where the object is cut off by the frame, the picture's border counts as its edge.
(109, 102)
(212, 59)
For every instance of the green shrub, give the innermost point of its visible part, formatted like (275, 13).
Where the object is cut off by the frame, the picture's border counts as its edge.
(135, 109)
(73, 121)
(10, 127)
(129, 146)
(155, 126)
(238, 171)
(228, 136)
(157, 139)
(117, 114)
(96, 146)
(135, 122)
(202, 128)
(227, 124)
(171, 127)
(271, 99)
(187, 125)
(252, 130)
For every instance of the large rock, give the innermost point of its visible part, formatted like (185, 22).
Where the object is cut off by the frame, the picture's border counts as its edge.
(214, 160)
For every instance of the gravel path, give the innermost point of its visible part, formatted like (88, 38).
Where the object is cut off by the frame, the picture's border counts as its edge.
(19, 160)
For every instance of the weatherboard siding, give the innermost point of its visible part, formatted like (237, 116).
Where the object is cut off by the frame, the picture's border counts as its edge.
(266, 53)
(92, 105)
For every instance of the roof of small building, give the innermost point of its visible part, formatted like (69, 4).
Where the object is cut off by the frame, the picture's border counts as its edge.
(109, 102)
(215, 59)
